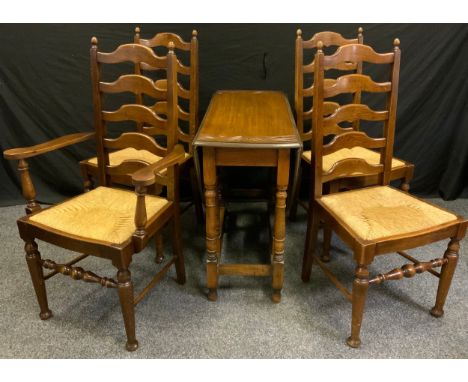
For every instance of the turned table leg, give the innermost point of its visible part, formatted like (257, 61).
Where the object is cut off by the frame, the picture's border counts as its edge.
(280, 224)
(212, 222)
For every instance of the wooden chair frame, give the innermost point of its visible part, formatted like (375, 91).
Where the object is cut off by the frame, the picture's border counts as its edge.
(404, 173)
(365, 250)
(90, 172)
(142, 176)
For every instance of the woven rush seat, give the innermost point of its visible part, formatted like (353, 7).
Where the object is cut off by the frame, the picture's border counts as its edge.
(130, 153)
(370, 156)
(380, 212)
(103, 214)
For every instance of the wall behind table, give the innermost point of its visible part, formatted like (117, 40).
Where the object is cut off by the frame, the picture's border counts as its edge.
(45, 90)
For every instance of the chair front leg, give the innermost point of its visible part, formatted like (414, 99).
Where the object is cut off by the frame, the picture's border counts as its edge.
(33, 258)
(125, 288)
(360, 286)
(446, 275)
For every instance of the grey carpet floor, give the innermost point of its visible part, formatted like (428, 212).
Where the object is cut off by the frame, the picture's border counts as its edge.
(176, 321)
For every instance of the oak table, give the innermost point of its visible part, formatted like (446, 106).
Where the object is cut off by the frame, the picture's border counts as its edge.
(246, 128)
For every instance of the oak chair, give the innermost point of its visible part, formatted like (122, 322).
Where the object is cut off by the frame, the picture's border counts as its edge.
(401, 170)
(89, 167)
(375, 220)
(108, 222)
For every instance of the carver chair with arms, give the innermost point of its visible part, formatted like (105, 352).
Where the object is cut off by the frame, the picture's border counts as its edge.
(375, 220)
(107, 222)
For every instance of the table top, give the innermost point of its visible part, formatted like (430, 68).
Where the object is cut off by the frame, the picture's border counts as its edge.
(245, 119)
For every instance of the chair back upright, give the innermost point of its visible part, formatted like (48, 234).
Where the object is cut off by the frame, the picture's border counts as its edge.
(302, 92)
(189, 69)
(152, 123)
(329, 125)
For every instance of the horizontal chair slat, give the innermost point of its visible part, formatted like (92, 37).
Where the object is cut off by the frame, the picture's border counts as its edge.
(134, 112)
(181, 68)
(354, 112)
(133, 53)
(357, 52)
(348, 166)
(163, 39)
(181, 91)
(328, 108)
(352, 139)
(352, 83)
(136, 140)
(328, 39)
(136, 84)
(345, 66)
(161, 108)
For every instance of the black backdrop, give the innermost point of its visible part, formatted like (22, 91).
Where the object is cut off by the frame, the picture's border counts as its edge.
(45, 90)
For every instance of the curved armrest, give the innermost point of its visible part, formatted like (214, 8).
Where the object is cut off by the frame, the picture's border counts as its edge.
(147, 175)
(54, 144)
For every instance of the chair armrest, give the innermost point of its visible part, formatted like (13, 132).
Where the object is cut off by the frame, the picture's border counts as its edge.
(147, 175)
(54, 144)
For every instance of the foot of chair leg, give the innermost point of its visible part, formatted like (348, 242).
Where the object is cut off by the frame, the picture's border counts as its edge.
(276, 297)
(354, 343)
(212, 294)
(132, 346)
(437, 312)
(325, 258)
(45, 315)
(125, 289)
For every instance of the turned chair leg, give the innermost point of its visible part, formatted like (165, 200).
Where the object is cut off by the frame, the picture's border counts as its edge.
(197, 199)
(177, 248)
(446, 275)
(310, 243)
(159, 248)
(295, 196)
(125, 288)
(360, 286)
(33, 258)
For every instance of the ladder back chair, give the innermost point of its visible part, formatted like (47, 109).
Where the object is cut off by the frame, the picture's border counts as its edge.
(400, 169)
(375, 220)
(89, 168)
(107, 222)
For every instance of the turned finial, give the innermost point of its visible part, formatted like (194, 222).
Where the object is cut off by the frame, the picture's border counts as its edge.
(137, 30)
(171, 47)
(360, 30)
(194, 33)
(319, 46)
(94, 40)
(396, 43)
(299, 33)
